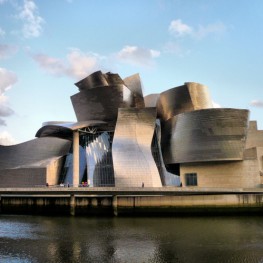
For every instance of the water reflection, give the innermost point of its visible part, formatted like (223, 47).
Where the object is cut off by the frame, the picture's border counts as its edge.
(159, 240)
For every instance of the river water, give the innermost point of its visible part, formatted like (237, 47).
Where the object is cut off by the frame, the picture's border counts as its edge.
(126, 239)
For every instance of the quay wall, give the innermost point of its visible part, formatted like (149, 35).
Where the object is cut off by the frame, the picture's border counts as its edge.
(110, 205)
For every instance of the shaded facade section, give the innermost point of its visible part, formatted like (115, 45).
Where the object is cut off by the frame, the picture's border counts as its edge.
(189, 97)
(43, 159)
(205, 135)
(151, 100)
(101, 103)
(133, 161)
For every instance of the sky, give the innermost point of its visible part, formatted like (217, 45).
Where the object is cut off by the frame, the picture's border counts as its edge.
(47, 46)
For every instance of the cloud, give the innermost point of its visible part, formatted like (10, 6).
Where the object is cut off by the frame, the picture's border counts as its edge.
(257, 103)
(7, 50)
(77, 64)
(32, 22)
(137, 56)
(179, 29)
(6, 138)
(7, 79)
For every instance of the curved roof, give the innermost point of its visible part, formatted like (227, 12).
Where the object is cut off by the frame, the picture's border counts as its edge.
(64, 129)
(31, 152)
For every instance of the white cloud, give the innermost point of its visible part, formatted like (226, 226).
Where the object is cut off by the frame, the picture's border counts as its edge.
(137, 56)
(77, 65)
(257, 103)
(81, 64)
(32, 22)
(6, 138)
(179, 29)
(7, 79)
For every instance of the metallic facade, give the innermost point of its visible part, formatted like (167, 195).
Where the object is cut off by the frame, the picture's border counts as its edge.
(131, 150)
(30, 163)
(101, 103)
(128, 140)
(205, 135)
(32, 153)
(189, 97)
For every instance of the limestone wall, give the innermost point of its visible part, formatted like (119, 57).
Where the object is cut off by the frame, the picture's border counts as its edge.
(241, 174)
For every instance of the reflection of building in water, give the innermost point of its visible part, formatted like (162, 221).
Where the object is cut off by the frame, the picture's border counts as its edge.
(123, 139)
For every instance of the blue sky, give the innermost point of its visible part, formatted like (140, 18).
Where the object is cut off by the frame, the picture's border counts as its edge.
(47, 46)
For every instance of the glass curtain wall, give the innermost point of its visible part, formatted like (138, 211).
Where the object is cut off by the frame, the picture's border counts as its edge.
(98, 148)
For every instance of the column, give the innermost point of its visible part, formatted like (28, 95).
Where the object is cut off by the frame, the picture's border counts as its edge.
(75, 158)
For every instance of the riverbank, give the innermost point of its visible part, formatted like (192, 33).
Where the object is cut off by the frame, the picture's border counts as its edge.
(130, 201)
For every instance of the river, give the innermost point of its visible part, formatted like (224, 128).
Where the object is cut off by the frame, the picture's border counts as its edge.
(26, 238)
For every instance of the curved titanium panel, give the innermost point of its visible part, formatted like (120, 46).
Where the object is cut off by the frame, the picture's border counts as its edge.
(205, 135)
(98, 79)
(94, 80)
(34, 151)
(134, 85)
(131, 149)
(101, 103)
(189, 97)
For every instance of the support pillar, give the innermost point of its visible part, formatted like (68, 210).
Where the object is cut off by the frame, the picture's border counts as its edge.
(75, 158)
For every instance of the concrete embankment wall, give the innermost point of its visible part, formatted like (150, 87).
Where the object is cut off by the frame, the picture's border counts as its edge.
(133, 205)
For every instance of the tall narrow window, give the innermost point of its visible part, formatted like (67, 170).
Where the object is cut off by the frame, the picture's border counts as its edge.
(191, 179)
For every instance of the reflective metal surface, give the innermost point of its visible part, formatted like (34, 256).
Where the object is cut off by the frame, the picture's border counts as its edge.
(131, 150)
(101, 103)
(205, 135)
(133, 83)
(25, 164)
(98, 79)
(189, 97)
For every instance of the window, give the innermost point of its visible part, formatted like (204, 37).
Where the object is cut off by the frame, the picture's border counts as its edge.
(191, 179)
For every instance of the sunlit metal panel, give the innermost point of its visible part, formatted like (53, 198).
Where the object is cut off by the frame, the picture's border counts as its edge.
(131, 150)
(189, 97)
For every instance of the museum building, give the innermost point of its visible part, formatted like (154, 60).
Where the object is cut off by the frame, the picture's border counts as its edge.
(123, 139)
